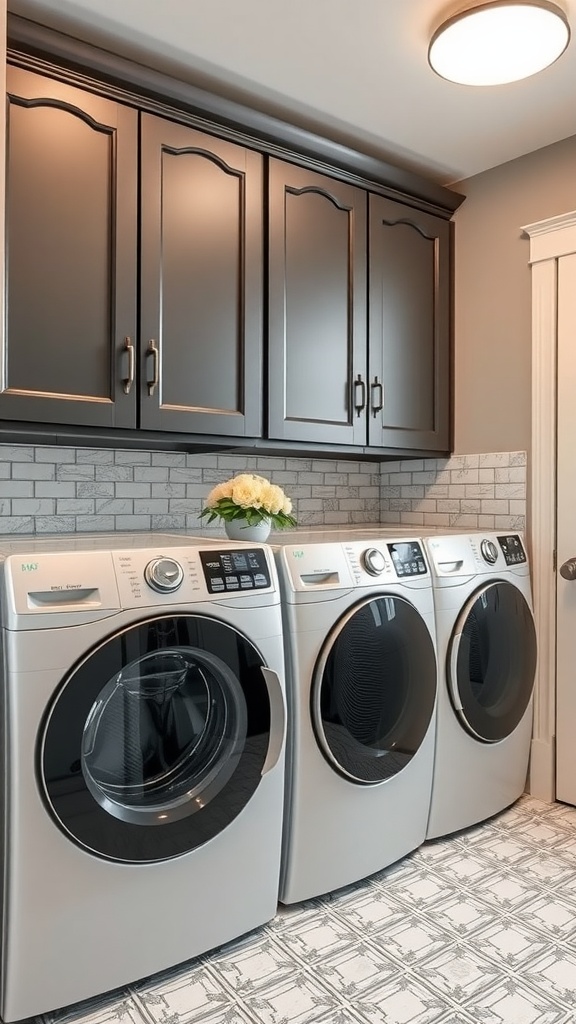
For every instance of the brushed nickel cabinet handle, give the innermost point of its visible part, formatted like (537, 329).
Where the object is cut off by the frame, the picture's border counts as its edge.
(128, 381)
(377, 405)
(152, 350)
(359, 389)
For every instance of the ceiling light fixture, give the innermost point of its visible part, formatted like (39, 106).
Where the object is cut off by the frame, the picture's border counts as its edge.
(499, 41)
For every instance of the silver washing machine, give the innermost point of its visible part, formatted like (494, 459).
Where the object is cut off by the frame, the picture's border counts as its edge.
(487, 651)
(143, 723)
(361, 687)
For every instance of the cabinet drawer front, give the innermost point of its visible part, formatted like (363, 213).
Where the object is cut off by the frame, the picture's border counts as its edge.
(71, 254)
(201, 281)
(317, 311)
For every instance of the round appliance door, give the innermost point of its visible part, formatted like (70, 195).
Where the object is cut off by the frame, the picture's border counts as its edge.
(492, 661)
(374, 690)
(157, 739)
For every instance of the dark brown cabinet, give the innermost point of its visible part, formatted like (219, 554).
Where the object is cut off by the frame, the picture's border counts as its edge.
(71, 228)
(73, 355)
(408, 402)
(201, 265)
(317, 307)
(144, 254)
(359, 303)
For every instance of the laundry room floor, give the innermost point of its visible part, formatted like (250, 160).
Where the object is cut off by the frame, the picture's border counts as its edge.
(480, 927)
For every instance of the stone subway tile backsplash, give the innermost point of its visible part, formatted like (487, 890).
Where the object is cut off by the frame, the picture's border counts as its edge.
(61, 490)
(469, 491)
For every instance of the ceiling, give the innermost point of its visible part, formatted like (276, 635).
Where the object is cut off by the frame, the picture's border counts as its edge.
(355, 70)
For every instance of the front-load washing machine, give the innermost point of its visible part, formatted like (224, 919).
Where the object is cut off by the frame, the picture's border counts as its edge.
(487, 656)
(361, 688)
(143, 723)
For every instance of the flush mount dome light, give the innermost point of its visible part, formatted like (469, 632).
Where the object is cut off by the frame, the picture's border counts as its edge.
(499, 41)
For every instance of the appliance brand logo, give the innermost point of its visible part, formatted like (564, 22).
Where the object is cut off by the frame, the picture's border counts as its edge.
(29, 566)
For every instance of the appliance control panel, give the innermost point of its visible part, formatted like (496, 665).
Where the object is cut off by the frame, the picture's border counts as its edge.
(235, 570)
(407, 558)
(512, 549)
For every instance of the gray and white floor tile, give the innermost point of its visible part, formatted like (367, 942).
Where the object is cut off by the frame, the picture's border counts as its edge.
(478, 928)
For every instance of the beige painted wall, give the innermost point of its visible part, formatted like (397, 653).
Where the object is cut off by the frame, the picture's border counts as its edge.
(492, 294)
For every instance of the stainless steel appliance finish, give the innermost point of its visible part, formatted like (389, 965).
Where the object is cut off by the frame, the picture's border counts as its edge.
(487, 659)
(143, 723)
(361, 688)
(487, 654)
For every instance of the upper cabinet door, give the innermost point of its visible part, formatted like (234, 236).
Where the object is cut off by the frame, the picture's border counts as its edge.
(317, 308)
(409, 328)
(201, 294)
(71, 228)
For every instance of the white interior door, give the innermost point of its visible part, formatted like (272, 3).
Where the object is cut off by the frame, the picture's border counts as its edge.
(566, 534)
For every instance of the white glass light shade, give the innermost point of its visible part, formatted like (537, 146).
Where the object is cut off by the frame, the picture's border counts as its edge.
(499, 41)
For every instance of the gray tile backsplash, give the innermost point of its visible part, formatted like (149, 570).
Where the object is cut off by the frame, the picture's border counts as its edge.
(60, 490)
(472, 491)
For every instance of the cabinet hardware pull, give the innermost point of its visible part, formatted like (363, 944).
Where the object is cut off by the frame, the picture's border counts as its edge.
(375, 386)
(359, 384)
(128, 381)
(152, 350)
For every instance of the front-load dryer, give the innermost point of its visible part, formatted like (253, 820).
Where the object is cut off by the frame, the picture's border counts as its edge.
(143, 722)
(487, 655)
(361, 689)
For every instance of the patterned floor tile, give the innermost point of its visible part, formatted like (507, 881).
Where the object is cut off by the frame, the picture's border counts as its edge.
(477, 928)
(404, 1002)
(189, 995)
(509, 945)
(371, 912)
(250, 969)
(552, 915)
(350, 973)
(412, 941)
(300, 1000)
(456, 866)
(419, 887)
(117, 1007)
(513, 1002)
(458, 973)
(461, 915)
(553, 870)
(555, 975)
(315, 939)
(507, 891)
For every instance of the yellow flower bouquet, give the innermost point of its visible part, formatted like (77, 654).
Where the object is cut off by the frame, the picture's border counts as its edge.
(250, 498)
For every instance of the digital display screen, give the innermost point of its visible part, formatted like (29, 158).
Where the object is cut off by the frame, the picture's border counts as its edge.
(407, 558)
(233, 571)
(512, 549)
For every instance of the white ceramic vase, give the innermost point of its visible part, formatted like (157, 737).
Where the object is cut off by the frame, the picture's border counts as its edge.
(238, 529)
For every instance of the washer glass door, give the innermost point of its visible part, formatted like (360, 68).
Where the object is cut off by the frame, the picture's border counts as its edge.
(157, 739)
(492, 661)
(374, 689)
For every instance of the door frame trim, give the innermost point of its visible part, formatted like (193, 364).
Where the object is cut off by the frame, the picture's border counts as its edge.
(549, 240)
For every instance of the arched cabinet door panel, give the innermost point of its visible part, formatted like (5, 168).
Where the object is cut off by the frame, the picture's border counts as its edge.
(202, 292)
(317, 307)
(409, 327)
(71, 229)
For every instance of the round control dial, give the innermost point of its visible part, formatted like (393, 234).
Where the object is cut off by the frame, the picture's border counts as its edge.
(489, 551)
(374, 561)
(164, 575)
